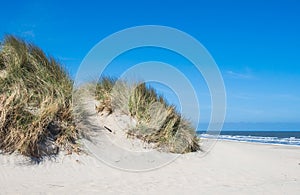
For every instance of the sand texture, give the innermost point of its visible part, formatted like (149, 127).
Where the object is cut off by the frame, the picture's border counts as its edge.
(116, 165)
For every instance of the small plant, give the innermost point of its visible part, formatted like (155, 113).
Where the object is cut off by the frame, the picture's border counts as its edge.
(35, 101)
(157, 122)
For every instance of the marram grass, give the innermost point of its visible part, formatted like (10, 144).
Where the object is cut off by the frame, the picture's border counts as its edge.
(36, 116)
(157, 122)
(35, 101)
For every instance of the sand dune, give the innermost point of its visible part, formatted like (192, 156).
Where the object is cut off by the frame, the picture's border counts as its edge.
(229, 168)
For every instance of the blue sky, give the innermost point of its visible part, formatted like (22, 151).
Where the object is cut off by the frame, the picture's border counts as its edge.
(256, 44)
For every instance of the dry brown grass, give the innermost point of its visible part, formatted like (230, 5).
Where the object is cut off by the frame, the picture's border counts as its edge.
(35, 101)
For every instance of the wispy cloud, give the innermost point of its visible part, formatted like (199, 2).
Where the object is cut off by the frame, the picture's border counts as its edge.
(242, 96)
(67, 58)
(27, 31)
(265, 97)
(288, 97)
(238, 75)
(28, 34)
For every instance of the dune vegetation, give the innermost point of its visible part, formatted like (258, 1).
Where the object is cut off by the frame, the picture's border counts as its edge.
(37, 117)
(157, 122)
(35, 101)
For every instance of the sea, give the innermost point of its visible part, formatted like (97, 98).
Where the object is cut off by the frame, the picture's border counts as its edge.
(266, 133)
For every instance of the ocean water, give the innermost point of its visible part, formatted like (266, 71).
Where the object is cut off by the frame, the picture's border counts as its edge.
(279, 133)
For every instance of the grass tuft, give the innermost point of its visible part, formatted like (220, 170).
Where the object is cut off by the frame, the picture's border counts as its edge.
(35, 101)
(157, 122)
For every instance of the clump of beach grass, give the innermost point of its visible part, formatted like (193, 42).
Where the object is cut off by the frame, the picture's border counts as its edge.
(157, 121)
(35, 101)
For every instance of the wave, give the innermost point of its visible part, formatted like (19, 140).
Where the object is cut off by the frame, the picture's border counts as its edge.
(256, 139)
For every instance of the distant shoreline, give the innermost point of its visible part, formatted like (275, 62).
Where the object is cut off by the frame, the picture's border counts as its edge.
(255, 143)
(288, 141)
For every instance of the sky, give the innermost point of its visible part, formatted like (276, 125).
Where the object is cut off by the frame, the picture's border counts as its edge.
(256, 45)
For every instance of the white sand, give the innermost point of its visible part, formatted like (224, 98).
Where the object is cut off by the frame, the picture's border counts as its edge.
(229, 168)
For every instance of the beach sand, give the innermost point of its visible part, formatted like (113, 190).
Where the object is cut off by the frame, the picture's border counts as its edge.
(228, 168)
